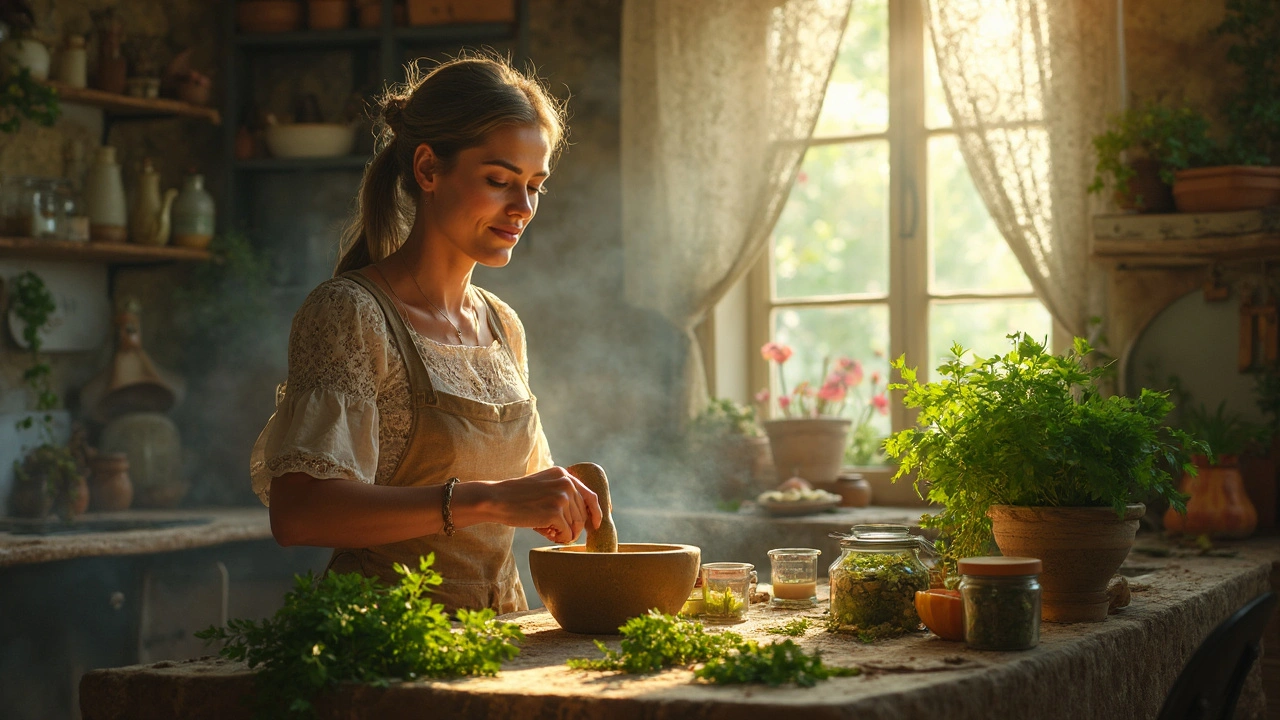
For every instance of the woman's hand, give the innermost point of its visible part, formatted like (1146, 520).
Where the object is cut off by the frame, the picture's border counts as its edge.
(552, 502)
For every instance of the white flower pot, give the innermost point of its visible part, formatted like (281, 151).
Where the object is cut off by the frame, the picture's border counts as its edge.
(26, 53)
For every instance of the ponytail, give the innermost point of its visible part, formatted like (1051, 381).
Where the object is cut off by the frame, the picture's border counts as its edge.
(380, 222)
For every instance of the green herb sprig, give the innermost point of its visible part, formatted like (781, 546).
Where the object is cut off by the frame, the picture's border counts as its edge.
(795, 628)
(348, 628)
(775, 664)
(655, 641)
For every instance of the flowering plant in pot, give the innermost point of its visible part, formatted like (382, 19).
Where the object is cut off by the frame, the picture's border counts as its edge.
(1025, 447)
(810, 439)
(726, 445)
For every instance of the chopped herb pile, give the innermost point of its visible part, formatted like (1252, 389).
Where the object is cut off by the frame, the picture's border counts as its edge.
(346, 627)
(655, 641)
(873, 595)
(795, 628)
(775, 664)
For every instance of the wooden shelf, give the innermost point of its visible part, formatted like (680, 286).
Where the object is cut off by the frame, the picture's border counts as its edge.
(113, 253)
(370, 37)
(124, 106)
(1187, 240)
(275, 164)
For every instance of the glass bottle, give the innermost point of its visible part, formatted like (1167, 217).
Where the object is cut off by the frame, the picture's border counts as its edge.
(875, 579)
(1001, 598)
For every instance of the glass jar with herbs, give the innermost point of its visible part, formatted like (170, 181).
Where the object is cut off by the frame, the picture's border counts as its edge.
(874, 581)
(1001, 598)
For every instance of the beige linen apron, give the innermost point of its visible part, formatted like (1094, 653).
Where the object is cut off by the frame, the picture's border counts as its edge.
(471, 440)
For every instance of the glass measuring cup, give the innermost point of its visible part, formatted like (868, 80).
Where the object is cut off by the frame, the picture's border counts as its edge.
(794, 574)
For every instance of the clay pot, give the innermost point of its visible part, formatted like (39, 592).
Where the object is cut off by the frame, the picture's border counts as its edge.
(1218, 505)
(812, 448)
(78, 496)
(328, 14)
(369, 13)
(1226, 188)
(268, 16)
(1081, 548)
(1147, 192)
(110, 486)
(853, 489)
(594, 593)
(194, 92)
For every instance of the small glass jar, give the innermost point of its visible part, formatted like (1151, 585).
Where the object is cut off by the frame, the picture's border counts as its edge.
(72, 217)
(875, 579)
(794, 575)
(726, 589)
(1001, 602)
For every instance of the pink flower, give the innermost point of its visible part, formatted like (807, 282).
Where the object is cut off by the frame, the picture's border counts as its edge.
(784, 402)
(875, 377)
(881, 403)
(853, 374)
(844, 364)
(762, 397)
(831, 391)
(776, 352)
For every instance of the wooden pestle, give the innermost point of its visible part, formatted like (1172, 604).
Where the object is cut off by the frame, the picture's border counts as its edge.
(604, 539)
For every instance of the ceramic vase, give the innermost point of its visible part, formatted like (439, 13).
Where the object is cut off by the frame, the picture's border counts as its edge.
(1081, 548)
(26, 53)
(811, 448)
(193, 215)
(110, 488)
(113, 67)
(73, 66)
(151, 442)
(1217, 503)
(104, 198)
(149, 224)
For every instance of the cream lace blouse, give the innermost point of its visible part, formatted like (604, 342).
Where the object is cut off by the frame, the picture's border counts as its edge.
(345, 412)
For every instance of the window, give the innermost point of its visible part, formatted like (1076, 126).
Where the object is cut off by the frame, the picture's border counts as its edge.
(884, 246)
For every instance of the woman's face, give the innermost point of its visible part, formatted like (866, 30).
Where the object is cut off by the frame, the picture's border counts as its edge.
(487, 199)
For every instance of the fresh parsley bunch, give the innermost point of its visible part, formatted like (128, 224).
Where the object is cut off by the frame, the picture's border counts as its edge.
(1030, 428)
(348, 628)
(774, 664)
(655, 641)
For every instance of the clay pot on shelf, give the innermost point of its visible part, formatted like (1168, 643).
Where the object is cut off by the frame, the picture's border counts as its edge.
(268, 16)
(328, 14)
(154, 448)
(853, 489)
(369, 13)
(1147, 192)
(110, 487)
(1218, 506)
(1081, 548)
(439, 12)
(1226, 188)
(812, 448)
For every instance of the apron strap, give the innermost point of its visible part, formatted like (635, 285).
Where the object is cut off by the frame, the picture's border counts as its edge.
(496, 327)
(419, 379)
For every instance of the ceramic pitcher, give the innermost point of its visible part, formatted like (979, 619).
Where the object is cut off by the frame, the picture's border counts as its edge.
(104, 198)
(149, 224)
(193, 215)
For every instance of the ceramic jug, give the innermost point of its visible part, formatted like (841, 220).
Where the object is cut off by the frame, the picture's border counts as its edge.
(104, 198)
(193, 215)
(149, 224)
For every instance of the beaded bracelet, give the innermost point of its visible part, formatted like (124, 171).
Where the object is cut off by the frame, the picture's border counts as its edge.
(446, 508)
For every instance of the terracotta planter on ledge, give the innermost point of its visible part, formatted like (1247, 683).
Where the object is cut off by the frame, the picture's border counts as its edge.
(1081, 548)
(1226, 188)
(812, 448)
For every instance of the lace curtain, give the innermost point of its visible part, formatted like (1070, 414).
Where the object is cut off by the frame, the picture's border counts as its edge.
(718, 99)
(1028, 84)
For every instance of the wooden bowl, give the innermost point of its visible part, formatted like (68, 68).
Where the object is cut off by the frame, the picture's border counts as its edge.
(595, 593)
(268, 16)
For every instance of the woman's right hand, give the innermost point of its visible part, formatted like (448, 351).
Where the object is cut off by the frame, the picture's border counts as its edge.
(552, 502)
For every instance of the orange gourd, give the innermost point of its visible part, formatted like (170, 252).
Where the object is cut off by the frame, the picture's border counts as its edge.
(1218, 506)
(941, 611)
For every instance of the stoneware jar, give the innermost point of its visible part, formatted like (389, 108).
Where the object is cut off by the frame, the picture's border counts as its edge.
(193, 215)
(104, 198)
(154, 448)
(110, 488)
(73, 67)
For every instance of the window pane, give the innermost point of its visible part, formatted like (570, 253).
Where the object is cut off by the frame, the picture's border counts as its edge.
(859, 332)
(966, 251)
(936, 114)
(857, 99)
(833, 234)
(981, 326)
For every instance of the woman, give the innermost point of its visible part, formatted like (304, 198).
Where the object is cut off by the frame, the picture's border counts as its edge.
(407, 425)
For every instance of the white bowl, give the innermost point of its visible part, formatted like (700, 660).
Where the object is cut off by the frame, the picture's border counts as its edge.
(303, 140)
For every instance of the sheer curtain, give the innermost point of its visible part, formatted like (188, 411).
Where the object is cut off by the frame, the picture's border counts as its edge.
(1028, 84)
(718, 98)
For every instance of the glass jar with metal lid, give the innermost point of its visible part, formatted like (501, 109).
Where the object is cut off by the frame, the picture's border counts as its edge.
(1001, 598)
(875, 579)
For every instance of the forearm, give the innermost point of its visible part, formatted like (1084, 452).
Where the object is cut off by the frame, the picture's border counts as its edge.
(341, 513)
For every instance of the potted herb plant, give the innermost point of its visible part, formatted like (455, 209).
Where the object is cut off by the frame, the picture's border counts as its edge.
(1141, 151)
(48, 478)
(1217, 504)
(725, 440)
(1025, 447)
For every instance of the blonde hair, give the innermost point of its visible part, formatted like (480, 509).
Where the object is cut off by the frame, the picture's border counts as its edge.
(452, 107)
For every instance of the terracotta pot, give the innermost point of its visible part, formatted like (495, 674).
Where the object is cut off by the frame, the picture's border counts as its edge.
(812, 448)
(1081, 548)
(1219, 506)
(196, 93)
(1147, 192)
(853, 489)
(268, 16)
(942, 611)
(369, 13)
(110, 486)
(328, 14)
(437, 12)
(1226, 188)
(78, 496)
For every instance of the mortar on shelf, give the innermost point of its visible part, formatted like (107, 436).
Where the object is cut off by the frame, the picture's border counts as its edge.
(596, 587)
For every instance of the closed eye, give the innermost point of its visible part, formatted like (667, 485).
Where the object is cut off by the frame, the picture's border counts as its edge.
(541, 190)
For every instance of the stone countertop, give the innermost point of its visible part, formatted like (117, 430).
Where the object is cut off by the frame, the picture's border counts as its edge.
(1120, 668)
(225, 524)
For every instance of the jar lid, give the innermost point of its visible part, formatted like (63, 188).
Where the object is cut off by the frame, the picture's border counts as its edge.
(999, 566)
(880, 537)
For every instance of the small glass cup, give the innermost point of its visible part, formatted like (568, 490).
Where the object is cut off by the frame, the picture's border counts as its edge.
(794, 574)
(726, 588)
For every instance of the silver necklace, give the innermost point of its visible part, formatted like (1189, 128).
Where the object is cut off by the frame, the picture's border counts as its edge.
(442, 313)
